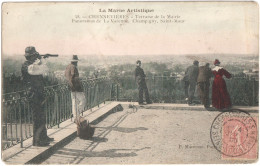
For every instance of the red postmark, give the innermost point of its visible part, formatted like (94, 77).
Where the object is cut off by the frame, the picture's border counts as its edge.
(239, 138)
(234, 134)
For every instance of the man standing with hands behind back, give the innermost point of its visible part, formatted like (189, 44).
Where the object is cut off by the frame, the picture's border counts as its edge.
(140, 79)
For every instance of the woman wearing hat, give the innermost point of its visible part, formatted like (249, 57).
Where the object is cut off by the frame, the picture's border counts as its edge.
(220, 96)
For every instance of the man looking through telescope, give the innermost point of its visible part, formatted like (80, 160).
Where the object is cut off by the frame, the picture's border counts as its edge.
(32, 72)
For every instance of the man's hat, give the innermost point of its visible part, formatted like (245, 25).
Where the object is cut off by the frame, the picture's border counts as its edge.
(138, 61)
(30, 51)
(75, 58)
(216, 62)
(195, 62)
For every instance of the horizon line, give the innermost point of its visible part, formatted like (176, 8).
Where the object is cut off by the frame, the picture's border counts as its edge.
(251, 54)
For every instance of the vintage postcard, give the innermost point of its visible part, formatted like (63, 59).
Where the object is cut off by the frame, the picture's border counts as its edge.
(130, 83)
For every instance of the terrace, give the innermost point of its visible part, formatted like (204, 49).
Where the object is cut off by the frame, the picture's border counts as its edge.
(103, 96)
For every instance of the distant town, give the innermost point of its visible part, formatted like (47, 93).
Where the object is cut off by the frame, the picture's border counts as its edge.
(173, 65)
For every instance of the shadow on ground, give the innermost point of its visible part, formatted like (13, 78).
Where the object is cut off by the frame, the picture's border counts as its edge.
(97, 139)
(124, 129)
(111, 153)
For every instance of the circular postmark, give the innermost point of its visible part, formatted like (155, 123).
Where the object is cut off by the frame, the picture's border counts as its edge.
(233, 132)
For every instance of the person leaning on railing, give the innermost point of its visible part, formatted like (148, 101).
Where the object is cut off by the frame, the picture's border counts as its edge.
(77, 94)
(203, 83)
(190, 81)
(220, 96)
(32, 73)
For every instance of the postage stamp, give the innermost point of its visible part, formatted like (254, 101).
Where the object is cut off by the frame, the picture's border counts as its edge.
(234, 134)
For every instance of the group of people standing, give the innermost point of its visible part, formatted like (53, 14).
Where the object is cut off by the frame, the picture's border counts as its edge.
(35, 66)
(195, 76)
(200, 77)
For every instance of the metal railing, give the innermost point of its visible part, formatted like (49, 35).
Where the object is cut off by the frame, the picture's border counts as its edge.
(243, 90)
(17, 124)
(17, 115)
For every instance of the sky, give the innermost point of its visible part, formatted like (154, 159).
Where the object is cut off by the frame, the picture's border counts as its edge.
(208, 28)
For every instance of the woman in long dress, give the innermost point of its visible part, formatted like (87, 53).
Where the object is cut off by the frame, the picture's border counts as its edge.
(220, 96)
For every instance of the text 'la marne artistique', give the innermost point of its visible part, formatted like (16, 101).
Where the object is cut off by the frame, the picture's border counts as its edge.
(127, 10)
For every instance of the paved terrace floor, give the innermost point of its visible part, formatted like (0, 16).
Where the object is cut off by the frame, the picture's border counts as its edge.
(149, 134)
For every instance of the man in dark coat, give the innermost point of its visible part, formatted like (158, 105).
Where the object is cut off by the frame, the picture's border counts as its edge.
(190, 80)
(203, 83)
(32, 71)
(140, 79)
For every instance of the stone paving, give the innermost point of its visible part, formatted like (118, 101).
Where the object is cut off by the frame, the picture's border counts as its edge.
(146, 136)
(29, 154)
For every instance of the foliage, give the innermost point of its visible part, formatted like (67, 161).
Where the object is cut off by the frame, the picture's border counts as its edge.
(162, 87)
(242, 90)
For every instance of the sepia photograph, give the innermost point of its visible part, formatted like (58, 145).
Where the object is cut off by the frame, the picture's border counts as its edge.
(129, 83)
